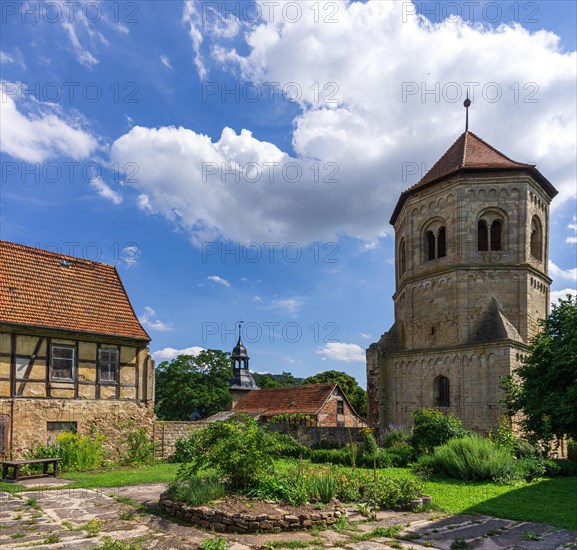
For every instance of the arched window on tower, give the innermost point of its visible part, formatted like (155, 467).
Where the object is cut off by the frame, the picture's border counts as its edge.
(441, 243)
(536, 239)
(482, 236)
(430, 244)
(442, 393)
(496, 235)
(402, 257)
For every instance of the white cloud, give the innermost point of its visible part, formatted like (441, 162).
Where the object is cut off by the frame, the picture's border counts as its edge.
(166, 62)
(81, 25)
(150, 320)
(559, 274)
(339, 351)
(364, 139)
(167, 354)
(219, 280)
(290, 306)
(105, 191)
(556, 294)
(15, 57)
(42, 133)
(573, 226)
(364, 335)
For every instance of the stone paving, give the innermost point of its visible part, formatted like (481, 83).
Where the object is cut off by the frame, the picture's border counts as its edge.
(89, 518)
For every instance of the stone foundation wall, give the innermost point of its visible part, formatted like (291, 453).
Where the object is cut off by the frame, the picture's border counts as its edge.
(166, 433)
(28, 420)
(222, 522)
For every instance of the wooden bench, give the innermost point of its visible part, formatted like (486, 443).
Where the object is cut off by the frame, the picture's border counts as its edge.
(17, 464)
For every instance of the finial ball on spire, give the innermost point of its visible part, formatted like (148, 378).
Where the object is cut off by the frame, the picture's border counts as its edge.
(467, 103)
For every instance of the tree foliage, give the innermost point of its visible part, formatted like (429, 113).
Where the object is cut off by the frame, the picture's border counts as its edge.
(356, 395)
(544, 388)
(433, 428)
(193, 385)
(268, 380)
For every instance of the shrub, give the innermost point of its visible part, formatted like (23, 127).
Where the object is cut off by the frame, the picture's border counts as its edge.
(80, 452)
(196, 490)
(399, 456)
(284, 445)
(139, 449)
(370, 446)
(288, 488)
(470, 458)
(184, 449)
(396, 437)
(560, 467)
(433, 428)
(325, 486)
(238, 450)
(524, 469)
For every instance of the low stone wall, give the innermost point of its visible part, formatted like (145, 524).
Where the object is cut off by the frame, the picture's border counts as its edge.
(166, 433)
(216, 520)
(312, 436)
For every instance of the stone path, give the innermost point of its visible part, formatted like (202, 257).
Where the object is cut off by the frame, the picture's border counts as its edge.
(85, 518)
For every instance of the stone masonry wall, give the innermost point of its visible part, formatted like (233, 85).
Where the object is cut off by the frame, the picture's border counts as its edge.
(166, 433)
(108, 417)
(312, 436)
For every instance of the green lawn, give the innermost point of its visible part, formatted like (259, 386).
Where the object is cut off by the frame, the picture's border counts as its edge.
(119, 477)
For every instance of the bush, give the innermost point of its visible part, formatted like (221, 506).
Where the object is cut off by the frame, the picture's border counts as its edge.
(80, 452)
(470, 458)
(432, 428)
(286, 446)
(370, 446)
(196, 490)
(524, 469)
(139, 449)
(183, 449)
(396, 437)
(288, 488)
(237, 449)
(560, 467)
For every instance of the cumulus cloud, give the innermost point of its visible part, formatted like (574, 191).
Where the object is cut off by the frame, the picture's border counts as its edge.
(339, 351)
(559, 274)
(16, 57)
(557, 294)
(167, 354)
(40, 131)
(355, 133)
(219, 280)
(150, 320)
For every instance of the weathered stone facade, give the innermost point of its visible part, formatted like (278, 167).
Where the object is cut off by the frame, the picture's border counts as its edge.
(167, 433)
(471, 283)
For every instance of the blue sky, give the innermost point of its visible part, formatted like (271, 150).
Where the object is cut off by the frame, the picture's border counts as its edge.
(240, 160)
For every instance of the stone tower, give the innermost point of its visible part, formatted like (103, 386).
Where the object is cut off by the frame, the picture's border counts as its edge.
(471, 283)
(242, 382)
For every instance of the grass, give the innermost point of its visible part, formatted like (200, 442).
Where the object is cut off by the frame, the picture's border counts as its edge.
(550, 500)
(119, 477)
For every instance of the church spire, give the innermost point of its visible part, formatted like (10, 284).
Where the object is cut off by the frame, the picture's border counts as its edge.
(467, 104)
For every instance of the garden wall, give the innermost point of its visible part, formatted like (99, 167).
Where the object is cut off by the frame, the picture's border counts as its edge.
(313, 436)
(166, 433)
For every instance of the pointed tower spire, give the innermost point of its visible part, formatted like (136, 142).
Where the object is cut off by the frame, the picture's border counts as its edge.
(467, 104)
(242, 381)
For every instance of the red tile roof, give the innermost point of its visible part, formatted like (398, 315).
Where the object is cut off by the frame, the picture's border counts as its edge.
(470, 153)
(307, 399)
(46, 289)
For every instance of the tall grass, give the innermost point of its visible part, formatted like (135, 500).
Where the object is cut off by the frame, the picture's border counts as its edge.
(470, 458)
(197, 490)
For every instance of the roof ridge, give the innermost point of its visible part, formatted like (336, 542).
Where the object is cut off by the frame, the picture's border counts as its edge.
(57, 255)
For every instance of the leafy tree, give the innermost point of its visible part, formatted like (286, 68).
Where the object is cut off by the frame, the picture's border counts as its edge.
(355, 394)
(265, 381)
(269, 380)
(433, 428)
(544, 388)
(193, 385)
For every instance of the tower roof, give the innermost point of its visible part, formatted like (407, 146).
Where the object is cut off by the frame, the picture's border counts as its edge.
(239, 350)
(470, 154)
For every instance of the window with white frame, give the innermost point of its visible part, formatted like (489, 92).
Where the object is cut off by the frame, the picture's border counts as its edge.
(62, 359)
(108, 364)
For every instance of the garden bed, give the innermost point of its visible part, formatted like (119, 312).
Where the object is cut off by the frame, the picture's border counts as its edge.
(236, 514)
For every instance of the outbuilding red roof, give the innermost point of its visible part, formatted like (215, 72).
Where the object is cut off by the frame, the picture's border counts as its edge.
(46, 289)
(307, 399)
(470, 153)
